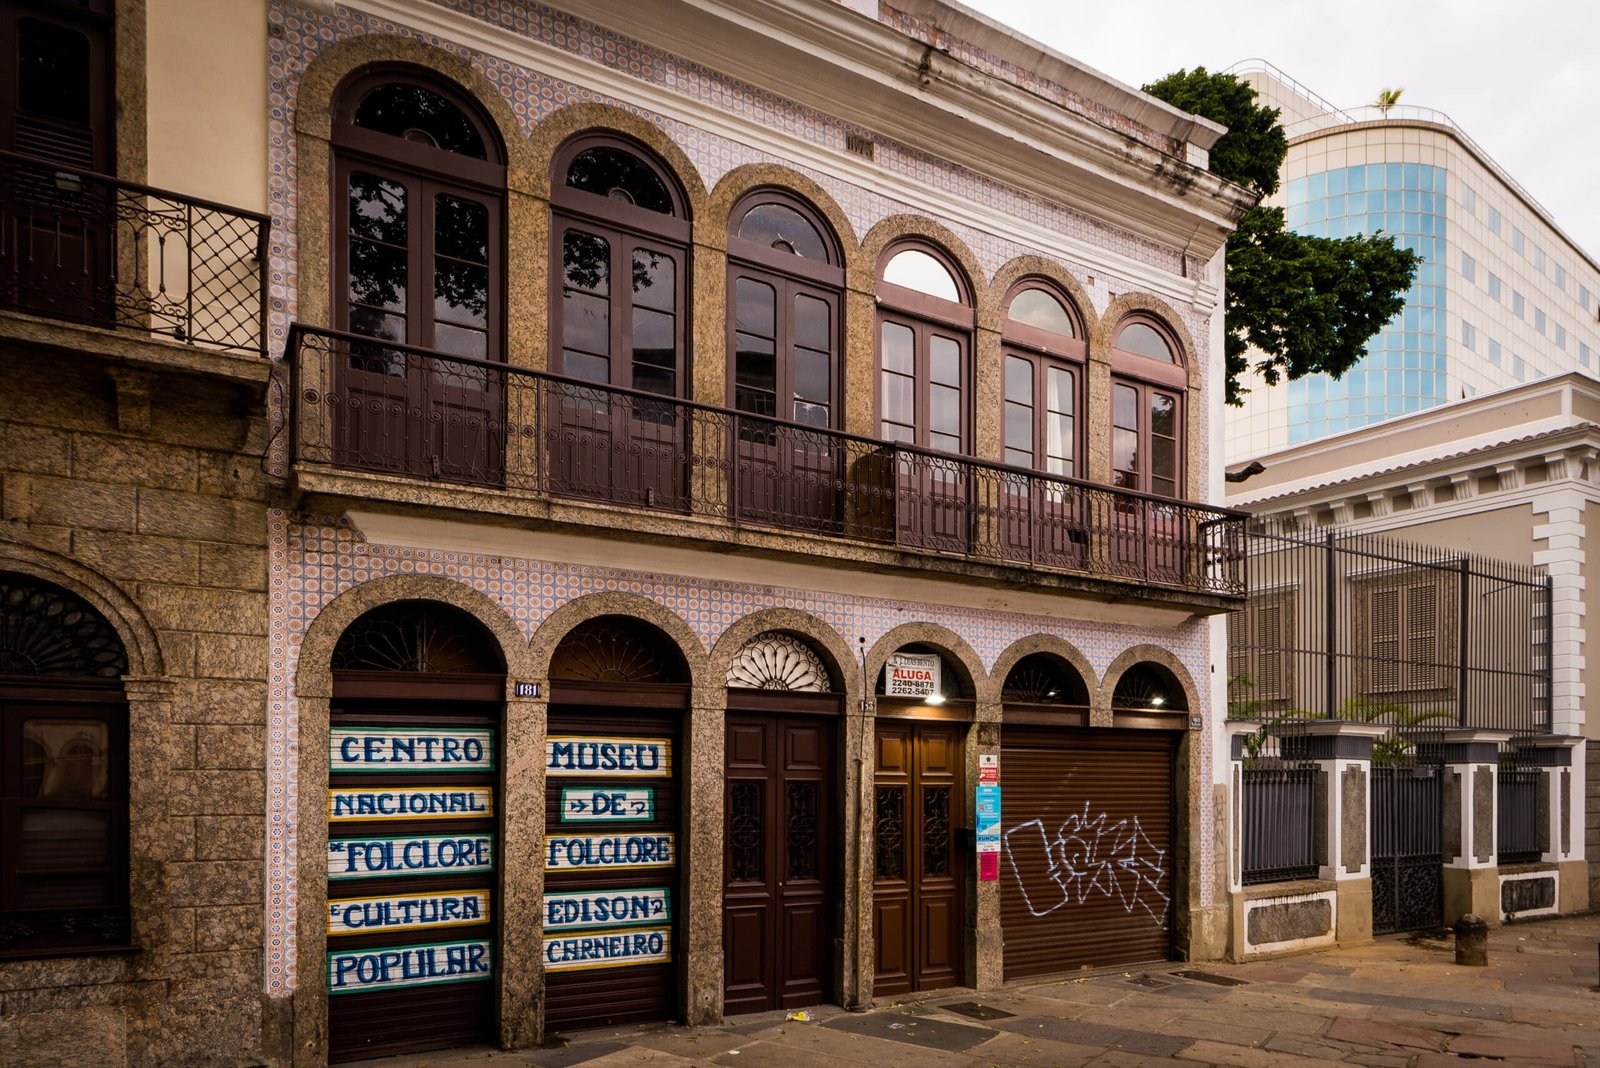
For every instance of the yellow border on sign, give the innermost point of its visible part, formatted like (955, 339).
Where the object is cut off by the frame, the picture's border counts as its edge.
(671, 947)
(612, 867)
(487, 910)
(487, 791)
(663, 772)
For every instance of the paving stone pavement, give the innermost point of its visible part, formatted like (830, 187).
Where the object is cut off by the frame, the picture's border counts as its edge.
(1395, 1003)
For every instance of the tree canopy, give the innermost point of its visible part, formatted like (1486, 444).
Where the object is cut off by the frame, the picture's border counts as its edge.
(1296, 305)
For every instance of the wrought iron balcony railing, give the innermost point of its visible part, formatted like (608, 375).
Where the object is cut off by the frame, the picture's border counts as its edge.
(371, 405)
(96, 250)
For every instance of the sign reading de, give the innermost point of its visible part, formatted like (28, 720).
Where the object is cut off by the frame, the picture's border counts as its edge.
(407, 912)
(409, 749)
(570, 756)
(608, 851)
(911, 675)
(365, 858)
(607, 908)
(599, 803)
(607, 949)
(352, 971)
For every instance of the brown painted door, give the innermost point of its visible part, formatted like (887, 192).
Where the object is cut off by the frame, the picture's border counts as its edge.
(1086, 866)
(918, 918)
(780, 878)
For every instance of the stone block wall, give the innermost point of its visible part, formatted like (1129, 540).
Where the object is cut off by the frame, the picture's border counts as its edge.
(142, 490)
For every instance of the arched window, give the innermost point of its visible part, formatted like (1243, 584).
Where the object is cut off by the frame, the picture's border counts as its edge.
(1147, 411)
(1044, 380)
(64, 792)
(925, 325)
(1149, 687)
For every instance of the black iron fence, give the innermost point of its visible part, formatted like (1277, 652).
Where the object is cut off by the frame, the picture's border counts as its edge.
(1517, 839)
(380, 407)
(96, 250)
(1358, 627)
(1279, 821)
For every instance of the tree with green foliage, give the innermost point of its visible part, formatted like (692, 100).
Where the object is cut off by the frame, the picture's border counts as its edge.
(1305, 305)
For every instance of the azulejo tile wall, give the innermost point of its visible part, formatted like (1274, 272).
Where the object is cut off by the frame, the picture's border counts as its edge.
(317, 558)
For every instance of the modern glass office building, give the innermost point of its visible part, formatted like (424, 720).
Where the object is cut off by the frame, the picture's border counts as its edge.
(1502, 294)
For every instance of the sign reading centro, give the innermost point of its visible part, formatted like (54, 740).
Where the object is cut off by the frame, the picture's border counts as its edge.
(408, 749)
(567, 755)
(911, 675)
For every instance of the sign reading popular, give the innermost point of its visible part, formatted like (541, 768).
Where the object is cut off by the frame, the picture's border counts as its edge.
(607, 908)
(356, 970)
(367, 858)
(571, 756)
(407, 912)
(409, 749)
(608, 851)
(607, 949)
(410, 803)
(911, 675)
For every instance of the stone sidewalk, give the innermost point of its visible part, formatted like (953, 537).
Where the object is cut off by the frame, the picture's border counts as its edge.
(1396, 1002)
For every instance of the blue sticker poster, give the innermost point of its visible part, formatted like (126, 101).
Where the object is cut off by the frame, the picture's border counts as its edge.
(988, 832)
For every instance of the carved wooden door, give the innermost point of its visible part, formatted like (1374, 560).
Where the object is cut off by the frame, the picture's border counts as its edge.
(919, 876)
(780, 909)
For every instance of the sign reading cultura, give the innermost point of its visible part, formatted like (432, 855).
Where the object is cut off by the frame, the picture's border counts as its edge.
(409, 749)
(407, 912)
(911, 675)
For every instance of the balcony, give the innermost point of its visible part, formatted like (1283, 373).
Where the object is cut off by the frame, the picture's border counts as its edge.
(96, 251)
(361, 405)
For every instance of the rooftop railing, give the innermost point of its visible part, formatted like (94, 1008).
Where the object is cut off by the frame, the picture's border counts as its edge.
(370, 405)
(92, 249)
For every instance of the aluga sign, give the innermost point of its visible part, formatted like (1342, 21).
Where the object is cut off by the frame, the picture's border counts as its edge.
(911, 675)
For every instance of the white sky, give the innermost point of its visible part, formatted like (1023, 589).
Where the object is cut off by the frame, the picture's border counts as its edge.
(1521, 78)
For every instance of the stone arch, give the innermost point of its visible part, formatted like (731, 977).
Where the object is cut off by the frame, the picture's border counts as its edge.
(313, 673)
(594, 605)
(823, 639)
(1154, 654)
(947, 641)
(1041, 643)
(562, 125)
(139, 638)
(752, 176)
(1032, 266)
(897, 227)
(1127, 304)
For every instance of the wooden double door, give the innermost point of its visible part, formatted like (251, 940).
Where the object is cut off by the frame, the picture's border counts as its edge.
(782, 859)
(919, 872)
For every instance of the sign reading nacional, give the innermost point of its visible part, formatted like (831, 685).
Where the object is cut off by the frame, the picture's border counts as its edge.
(568, 755)
(356, 970)
(410, 803)
(609, 851)
(911, 675)
(607, 949)
(364, 858)
(407, 912)
(606, 908)
(598, 803)
(409, 749)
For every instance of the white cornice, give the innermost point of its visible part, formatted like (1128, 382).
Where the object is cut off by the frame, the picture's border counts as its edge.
(1019, 139)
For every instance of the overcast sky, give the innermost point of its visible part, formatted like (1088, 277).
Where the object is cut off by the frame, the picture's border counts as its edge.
(1521, 78)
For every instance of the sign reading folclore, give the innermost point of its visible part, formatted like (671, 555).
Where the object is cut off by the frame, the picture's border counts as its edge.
(358, 858)
(608, 851)
(911, 675)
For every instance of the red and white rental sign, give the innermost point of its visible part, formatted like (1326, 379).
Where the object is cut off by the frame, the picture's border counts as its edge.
(911, 675)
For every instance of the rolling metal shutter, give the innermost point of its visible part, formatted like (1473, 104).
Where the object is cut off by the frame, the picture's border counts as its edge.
(1086, 867)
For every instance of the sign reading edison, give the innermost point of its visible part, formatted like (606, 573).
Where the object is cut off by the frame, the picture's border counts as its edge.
(911, 675)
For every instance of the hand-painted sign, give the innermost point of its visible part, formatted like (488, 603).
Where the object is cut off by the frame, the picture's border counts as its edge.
(610, 851)
(988, 769)
(607, 949)
(410, 803)
(911, 675)
(362, 858)
(355, 970)
(606, 908)
(598, 803)
(639, 757)
(407, 912)
(988, 832)
(409, 749)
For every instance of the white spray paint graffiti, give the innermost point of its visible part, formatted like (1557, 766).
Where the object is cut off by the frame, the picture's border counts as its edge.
(1088, 855)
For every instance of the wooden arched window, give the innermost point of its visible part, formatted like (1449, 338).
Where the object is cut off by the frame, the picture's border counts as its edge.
(1147, 410)
(925, 327)
(56, 100)
(1044, 379)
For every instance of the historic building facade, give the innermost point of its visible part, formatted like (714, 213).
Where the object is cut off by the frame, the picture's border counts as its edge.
(772, 567)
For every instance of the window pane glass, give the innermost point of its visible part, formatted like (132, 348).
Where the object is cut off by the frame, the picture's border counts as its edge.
(898, 406)
(755, 308)
(588, 367)
(461, 229)
(420, 115)
(944, 406)
(377, 209)
(899, 348)
(461, 293)
(459, 341)
(655, 380)
(586, 262)
(1059, 443)
(755, 362)
(1124, 450)
(944, 443)
(611, 172)
(813, 323)
(63, 838)
(1019, 380)
(920, 271)
(1037, 308)
(1163, 415)
(813, 379)
(1146, 341)
(65, 759)
(586, 323)
(654, 340)
(780, 227)
(944, 361)
(654, 280)
(1062, 397)
(1163, 457)
(1125, 407)
(53, 76)
(378, 276)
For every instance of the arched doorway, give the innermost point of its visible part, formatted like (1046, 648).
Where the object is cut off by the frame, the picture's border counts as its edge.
(414, 760)
(63, 773)
(1087, 822)
(920, 875)
(619, 688)
(783, 857)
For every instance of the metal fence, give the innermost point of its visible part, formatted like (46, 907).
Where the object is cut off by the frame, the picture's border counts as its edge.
(1418, 638)
(376, 406)
(96, 250)
(1517, 839)
(1279, 821)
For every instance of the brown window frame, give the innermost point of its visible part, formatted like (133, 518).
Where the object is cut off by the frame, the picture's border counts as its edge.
(926, 316)
(1413, 677)
(95, 21)
(625, 227)
(1043, 350)
(1149, 377)
(1262, 641)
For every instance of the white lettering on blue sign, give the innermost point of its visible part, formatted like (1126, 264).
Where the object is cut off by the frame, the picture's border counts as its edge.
(410, 803)
(607, 949)
(637, 757)
(361, 858)
(407, 912)
(352, 971)
(608, 851)
(408, 749)
(607, 908)
(598, 803)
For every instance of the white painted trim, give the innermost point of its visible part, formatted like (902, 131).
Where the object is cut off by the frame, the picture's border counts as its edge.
(1330, 896)
(1554, 875)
